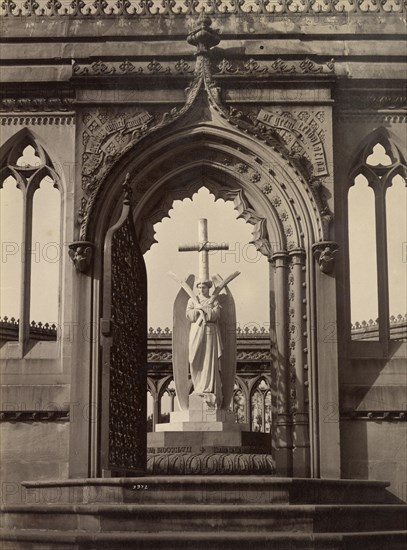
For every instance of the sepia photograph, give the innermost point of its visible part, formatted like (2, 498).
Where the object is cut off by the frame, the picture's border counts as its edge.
(203, 308)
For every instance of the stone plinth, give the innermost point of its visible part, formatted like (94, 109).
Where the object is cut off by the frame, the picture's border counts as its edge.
(201, 417)
(207, 440)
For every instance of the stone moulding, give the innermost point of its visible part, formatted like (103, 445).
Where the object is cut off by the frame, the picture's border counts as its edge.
(171, 8)
(35, 416)
(37, 120)
(36, 104)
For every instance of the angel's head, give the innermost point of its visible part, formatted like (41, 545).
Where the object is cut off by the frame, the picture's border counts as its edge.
(204, 287)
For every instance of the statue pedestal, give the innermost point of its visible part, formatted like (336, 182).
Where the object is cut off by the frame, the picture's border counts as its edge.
(205, 440)
(201, 417)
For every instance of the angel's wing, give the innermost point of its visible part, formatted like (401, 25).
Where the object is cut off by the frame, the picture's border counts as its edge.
(180, 337)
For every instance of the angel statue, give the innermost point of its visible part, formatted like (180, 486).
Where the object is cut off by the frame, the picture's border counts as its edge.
(204, 336)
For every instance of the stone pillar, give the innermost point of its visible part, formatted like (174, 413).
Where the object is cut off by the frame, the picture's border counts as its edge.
(156, 411)
(327, 402)
(298, 365)
(281, 426)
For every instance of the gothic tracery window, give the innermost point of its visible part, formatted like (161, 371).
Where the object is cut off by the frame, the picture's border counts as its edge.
(239, 405)
(260, 407)
(31, 238)
(377, 203)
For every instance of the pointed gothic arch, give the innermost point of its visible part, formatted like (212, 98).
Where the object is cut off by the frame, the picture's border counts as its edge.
(28, 179)
(379, 178)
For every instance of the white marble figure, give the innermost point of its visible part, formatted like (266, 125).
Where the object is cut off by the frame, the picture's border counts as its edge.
(205, 345)
(204, 337)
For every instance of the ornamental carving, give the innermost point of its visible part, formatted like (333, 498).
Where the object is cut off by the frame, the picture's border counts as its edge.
(139, 9)
(209, 464)
(109, 136)
(126, 67)
(81, 253)
(105, 134)
(325, 253)
(303, 132)
(42, 104)
(277, 67)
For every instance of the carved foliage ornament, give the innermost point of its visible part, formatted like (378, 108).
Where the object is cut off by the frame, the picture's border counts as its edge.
(299, 67)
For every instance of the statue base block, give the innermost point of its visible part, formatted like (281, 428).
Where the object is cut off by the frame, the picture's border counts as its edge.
(201, 417)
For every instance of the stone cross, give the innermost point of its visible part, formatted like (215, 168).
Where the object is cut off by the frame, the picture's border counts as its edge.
(203, 247)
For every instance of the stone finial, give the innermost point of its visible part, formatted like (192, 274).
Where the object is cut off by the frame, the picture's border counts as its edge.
(204, 37)
(324, 253)
(81, 253)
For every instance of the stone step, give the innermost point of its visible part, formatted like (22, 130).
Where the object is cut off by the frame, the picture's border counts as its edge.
(207, 490)
(198, 517)
(231, 540)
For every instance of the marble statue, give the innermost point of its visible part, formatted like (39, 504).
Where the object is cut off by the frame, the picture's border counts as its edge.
(204, 336)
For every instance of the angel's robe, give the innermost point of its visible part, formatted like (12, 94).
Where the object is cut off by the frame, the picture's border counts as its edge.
(205, 349)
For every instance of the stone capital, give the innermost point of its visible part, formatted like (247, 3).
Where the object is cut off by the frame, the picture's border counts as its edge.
(297, 256)
(279, 259)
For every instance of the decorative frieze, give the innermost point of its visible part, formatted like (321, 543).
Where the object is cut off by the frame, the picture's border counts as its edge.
(276, 67)
(176, 9)
(37, 120)
(127, 67)
(209, 464)
(36, 104)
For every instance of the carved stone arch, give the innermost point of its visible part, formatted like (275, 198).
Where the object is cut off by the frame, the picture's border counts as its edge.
(263, 173)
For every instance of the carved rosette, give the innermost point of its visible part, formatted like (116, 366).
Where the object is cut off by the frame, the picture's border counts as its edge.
(325, 253)
(81, 254)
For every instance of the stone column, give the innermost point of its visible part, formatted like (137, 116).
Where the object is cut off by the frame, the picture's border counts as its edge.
(298, 365)
(156, 411)
(281, 427)
(327, 402)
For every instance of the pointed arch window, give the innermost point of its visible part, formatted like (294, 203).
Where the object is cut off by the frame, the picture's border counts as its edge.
(260, 407)
(31, 200)
(239, 404)
(377, 275)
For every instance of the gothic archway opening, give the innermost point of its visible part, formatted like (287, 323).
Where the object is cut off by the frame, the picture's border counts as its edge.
(269, 194)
